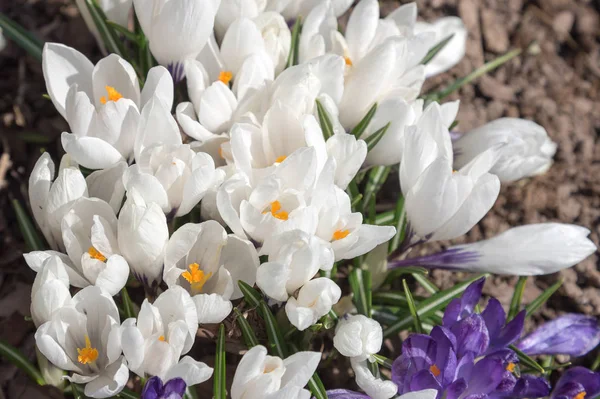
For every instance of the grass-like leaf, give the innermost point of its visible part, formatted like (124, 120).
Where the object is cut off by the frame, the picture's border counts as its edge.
(412, 308)
(373, 139)
(400, 223)
(294, 55)
(391, 298)
(324, 121)
(364, 123)
(251, 295)
(127, 394)
(430, 305)
(436, 49)
(426, 283)
(109, 38)
(24, 39)
(527, 361)
(515, 302)
(219, 375)
(360, 283)
(385, 218)
(129, 35)
(377, 176)
(128, 306)
(278, 344)
(15, 356)
(540, 300)
(394, 274)
(247, 332)
(32, 238)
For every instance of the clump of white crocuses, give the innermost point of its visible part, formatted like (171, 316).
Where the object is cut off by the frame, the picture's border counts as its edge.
(249, 196)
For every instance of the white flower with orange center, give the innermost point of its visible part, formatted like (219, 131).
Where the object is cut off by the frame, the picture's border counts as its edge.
(84, 338)
(101, 103)
(208, 264)
(163, 332)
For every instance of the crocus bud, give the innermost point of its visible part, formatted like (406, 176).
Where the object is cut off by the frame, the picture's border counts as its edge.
(576, 383)
(358, 337)
(571, 334)
(314, 301)
(525, 148)
(172, 389)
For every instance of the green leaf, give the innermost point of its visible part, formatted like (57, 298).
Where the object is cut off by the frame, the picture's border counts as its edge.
(526, 360)
(515, 303)
(219, 375)
(247, 332)
(436, 49)
(354, 194)
(33, 137)
(278, 344)
(390, 298)
(127, 394)
(329, 320)
(128, 306)
(385, 219)
(324, 121)
(394, 274)
(356, 200)
(252, 296)
(400, 223)
(77, 391)
(482, 70)
(364, 123)
(293, 57)
(540, 300)
(15, 356)
(106, 32)
(377, 176)
(373, 139)
(426, 283)
(24, 39)
(316, 387)
(430, 305)
(384, 361)
(412, 307)
(129, 35)
(360, 283)
(30, 234)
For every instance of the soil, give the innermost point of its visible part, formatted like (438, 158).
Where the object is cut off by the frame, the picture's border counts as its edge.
(556, 83)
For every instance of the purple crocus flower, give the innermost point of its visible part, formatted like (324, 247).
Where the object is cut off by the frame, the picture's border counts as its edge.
(577, 383)
(345, 394)
(571, 334)
(511, 386)
(483, 333)
(155, 389)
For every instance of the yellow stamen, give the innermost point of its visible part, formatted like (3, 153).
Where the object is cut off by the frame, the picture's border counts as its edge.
(162, 338)
(511, 367)
(435, 370)
(94, 253)
(196, 277)
(221, 153)
(88, 354)
(348, 61)
(339, 234)
(276, 211)
(113, 95)
(280, 159)
(580, 395)
(269, 368)
(225, 77)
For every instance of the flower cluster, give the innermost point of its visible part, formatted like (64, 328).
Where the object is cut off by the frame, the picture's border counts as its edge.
(241, 152)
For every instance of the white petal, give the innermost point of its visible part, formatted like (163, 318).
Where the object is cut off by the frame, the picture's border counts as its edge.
(191, 371)
(376, 388)
(299, 368)
(91, 152)
(212, 308)
(110, 382)
(159, 83)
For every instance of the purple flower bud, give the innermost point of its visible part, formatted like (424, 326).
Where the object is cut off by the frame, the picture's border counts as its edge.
(571, 334)
(576, 383)
(345, 394)
(154, 389)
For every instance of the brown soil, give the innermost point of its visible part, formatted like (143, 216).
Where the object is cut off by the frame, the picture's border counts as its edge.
(558, 87)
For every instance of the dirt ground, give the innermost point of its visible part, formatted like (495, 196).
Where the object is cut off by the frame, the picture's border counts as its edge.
(556, 84)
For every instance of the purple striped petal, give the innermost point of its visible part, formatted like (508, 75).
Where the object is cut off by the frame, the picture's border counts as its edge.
(471, 335)
(345, 394)
(576, 380)
(529, 386)
(462, 307)
(153, 388)
(571, 334)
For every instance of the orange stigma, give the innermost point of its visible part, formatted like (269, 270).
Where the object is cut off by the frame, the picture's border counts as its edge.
(348, 61)
(113, 95)
(580, 395)
(339, 234)
(280, 159)
(196, 277)
(94, 253)
(225, 77)
(435, 370)
(276, 211)
(88, 354)
(162, 338)
(511, 367)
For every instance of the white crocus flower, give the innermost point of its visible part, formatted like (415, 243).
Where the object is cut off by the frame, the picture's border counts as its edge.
(442, 204)
(142, 237)
(295, 257)
(259, 376)
(378, 388)
(51, 199)
(101, 103)
(107, 184)
(453, 52)
(177, 30)
(400, 115)
(276, 204)
(162, 333)
(527, 149)
(116, 11)
(528, 250)
(230, 10)
(349, 155)
(314, 301)
(358, 337)
(222, 81)
(50, 290)
(319, 32)
(301, 8)
(277, 38)
(85, 338)
(208, 263)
